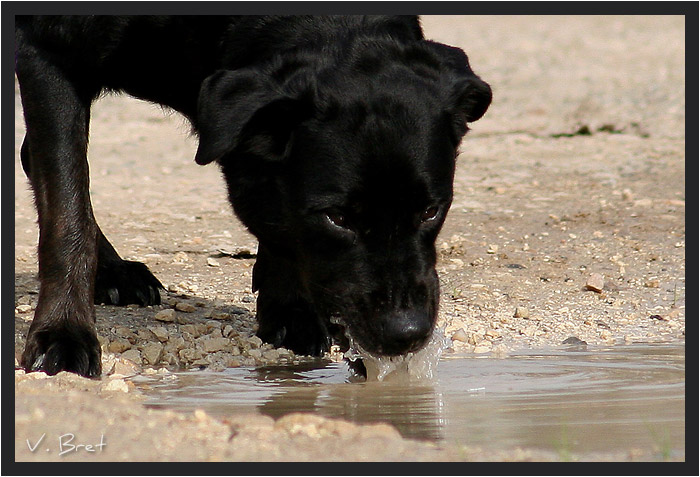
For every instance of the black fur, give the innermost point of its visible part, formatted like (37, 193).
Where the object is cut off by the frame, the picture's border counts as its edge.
(336, 137)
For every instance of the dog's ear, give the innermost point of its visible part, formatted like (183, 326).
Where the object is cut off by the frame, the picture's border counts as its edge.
(240, 111)
(469, 96)
(470, 99)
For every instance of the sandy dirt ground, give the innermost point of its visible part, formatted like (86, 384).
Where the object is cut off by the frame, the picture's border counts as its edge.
(568, 221)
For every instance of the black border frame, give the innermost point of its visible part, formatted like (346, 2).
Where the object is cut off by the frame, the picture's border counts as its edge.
(10, 9)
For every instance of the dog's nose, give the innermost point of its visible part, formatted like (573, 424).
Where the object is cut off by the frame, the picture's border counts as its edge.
(406, 331)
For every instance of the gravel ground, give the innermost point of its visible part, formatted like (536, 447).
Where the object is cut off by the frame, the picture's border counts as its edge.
(568, 221)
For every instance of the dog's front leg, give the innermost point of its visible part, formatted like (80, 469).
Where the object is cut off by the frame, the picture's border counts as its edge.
(62, 335)
(285, 317)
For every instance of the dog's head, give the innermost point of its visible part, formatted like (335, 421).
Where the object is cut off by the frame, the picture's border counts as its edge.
(347, 169)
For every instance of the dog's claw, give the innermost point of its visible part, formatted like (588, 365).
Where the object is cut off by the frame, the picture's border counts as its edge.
(38, 363)
(124, 282)
(279, 337)
(113, 296)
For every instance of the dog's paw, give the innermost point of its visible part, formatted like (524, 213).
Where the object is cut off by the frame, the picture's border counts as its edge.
(53, 351)
(125, 282)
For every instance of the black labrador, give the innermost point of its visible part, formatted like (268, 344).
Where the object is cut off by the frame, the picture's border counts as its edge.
(337, 137)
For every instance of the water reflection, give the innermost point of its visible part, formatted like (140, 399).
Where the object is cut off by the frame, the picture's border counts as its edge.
(594, 400)
(417, 411)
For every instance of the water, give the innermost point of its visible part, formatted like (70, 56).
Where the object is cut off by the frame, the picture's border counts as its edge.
(569, 401)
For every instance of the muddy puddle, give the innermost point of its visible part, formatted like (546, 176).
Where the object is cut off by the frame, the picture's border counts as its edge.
(567, 400)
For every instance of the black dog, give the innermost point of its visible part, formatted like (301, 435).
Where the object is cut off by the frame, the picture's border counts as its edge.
(337, 139)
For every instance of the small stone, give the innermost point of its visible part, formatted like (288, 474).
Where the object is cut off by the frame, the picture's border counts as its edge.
(117, 384)
(127, 333)
(521, 312)
(595, 282)
(200, 415)
(175, 343)
(152, 352)
(219, 315)
(180, 257)
(119, 345)
(23, 308)
(190, 329)
(212, 262)
(190, 355)
(483, 347)
(211, 345)
(125, 367)
(492, 249)
(255, 353)
(255, 342)
(574, 341)
(167, 316)
(146, 335)
(460, 335)
(185, 307)
(651, 284)
(160, 332)
(132, 355)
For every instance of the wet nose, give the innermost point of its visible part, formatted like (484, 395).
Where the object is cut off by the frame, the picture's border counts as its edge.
(406, 331)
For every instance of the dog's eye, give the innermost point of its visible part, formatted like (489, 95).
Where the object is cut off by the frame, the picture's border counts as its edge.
(337, 219)
(430, 213)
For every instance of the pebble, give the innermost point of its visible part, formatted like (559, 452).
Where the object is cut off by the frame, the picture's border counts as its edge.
(219, 315)
(212, 262)
(255, 342)
(521, 312)
(125, 367)
(126, 333)
(152, 352)
(460, 335)
(167, 316)
(119, 345)
(595, 282)
(23, 308)
(483, 347)
(191, 330)
(160, 332)
(185, 307)
(175, 343)
(271, 355)
(180, 257)
(212, 345)
(573, 340)
(117, 384)
(132, 355)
